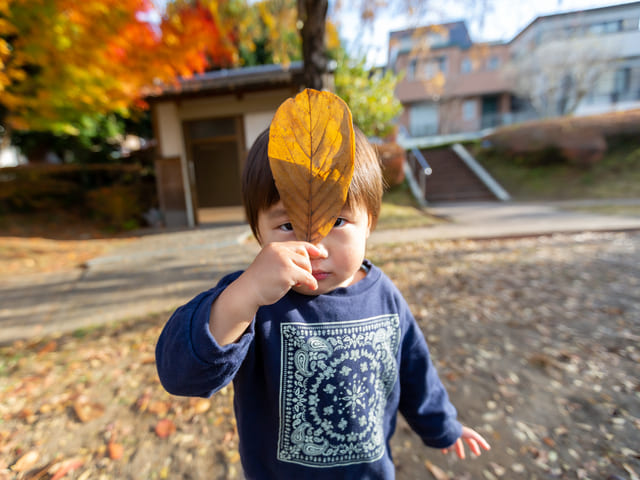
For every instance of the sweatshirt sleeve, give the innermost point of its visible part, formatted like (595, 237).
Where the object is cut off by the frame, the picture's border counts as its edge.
(424, 402)
(189, 360)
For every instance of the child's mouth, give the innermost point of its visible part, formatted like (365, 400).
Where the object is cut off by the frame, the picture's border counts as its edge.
(320, 275)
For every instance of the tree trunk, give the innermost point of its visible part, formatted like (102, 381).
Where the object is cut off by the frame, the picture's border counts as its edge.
(312, 15)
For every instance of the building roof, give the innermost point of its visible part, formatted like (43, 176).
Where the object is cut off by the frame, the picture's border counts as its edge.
(234, 80)
(571, 13)
(458, 34)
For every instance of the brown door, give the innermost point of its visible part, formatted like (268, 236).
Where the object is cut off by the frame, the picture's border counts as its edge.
(214, 148)
(217, 174)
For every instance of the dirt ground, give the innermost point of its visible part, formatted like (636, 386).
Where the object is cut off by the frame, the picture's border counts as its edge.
(536, 339)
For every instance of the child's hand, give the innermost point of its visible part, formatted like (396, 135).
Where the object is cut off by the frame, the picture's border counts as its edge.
(473, 439)
(280, 266)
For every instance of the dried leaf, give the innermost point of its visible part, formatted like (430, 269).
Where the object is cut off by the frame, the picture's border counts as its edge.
(48, 348)
(116, 450)
(164, 428)
(201, 405)
(86, 410)
(159, 408)
(26, 461)
(311, 154)
(437, 472)
(66, 467)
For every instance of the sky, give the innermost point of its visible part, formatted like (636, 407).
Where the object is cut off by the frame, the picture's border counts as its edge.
(502, 22)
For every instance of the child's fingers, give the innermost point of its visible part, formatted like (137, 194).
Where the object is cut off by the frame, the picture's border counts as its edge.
(479, 441)
(301, 272)
(303, 276)
(460, 449)
(473, 446)
(316, 251)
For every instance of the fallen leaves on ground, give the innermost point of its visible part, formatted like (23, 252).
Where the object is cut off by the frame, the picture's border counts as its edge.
(536, 340)
(19, 256)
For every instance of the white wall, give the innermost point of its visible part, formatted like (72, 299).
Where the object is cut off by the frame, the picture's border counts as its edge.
(169, 130)
(254, 124)
(257, 110)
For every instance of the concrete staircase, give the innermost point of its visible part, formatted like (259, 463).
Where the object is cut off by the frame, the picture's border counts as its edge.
(452, 178)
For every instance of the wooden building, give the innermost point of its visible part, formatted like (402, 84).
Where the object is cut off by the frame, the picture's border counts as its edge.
(204, 128)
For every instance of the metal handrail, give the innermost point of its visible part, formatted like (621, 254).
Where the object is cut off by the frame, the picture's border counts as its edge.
(426, 168)
(419, 188)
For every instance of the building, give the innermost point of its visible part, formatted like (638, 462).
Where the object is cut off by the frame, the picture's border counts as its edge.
(449, 83)
(595, 54)
(580, 62)
(204, 128)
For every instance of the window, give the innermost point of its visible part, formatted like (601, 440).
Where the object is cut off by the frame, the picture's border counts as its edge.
(466, 65)
(493, 63)
(411, 71)
(430, 69)
(423, 119)
(469, 110)
(622, 81)
(606, 27)
(435, 65)
(443, 64)
(436, 39)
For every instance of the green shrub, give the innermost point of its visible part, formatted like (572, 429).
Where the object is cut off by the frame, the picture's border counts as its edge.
(116, 194)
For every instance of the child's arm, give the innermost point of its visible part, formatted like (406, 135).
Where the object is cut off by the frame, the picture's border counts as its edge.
(473, 439)
(278, 267)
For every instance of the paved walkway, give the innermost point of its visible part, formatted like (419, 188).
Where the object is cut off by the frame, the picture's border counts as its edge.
(159, 272)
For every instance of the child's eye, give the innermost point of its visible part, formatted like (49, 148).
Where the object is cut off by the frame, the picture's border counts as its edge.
(286, 227)
(340, 222)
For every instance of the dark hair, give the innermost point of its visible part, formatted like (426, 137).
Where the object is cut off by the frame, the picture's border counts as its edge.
(259, 189)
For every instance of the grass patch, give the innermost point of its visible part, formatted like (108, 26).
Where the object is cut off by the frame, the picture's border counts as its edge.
(400, 210)
(617, 175)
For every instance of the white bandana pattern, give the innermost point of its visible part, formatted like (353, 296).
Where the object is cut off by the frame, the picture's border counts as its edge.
(335, 380)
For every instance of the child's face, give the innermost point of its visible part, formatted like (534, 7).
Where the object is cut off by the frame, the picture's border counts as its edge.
(345, 244)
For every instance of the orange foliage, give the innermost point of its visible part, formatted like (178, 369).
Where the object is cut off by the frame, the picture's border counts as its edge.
(67, 60)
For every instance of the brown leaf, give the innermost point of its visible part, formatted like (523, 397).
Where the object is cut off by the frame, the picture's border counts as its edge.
(143, 401)
(311, 154)
(165, 427)
(159, 408)
(48, 348)
(26, 461)
(437, 472)
(86, 410)
(116, 450)
(201, 405)
(66, 467)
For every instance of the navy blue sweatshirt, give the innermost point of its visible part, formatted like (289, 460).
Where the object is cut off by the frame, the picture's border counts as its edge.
(318, 380)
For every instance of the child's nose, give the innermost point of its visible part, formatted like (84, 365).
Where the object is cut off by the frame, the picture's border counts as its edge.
(322, 249)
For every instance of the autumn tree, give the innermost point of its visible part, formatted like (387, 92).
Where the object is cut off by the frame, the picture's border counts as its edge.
(265, 32)
(66, 63)
(369, 94)
(557, 75)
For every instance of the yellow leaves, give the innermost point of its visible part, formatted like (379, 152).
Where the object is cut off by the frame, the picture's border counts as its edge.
(311, 154)
(94, 58)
